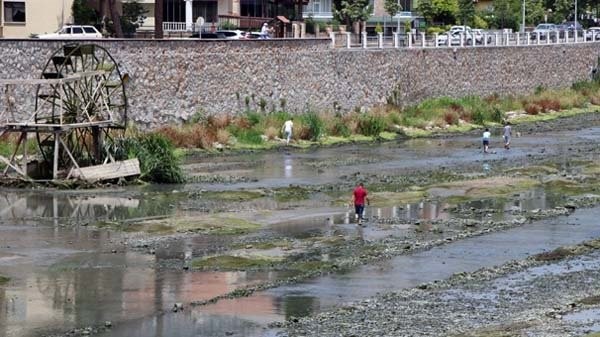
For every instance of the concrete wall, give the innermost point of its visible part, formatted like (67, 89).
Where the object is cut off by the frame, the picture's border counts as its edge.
(174, 79)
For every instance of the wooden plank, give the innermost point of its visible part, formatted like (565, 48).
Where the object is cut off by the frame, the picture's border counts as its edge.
(126, 168)
(41, 81)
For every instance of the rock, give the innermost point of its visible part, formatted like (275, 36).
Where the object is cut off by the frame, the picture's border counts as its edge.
(177, 307)
(108, 324)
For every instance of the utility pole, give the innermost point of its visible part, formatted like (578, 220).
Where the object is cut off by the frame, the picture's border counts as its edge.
(523, 24)
(575, 28)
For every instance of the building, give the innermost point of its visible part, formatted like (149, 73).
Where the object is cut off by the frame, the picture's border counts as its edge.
(22, 18)
(322, 10)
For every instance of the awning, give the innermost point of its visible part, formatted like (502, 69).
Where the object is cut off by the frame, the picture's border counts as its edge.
(283, 19)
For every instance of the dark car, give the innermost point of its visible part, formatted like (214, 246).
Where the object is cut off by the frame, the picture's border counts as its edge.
(208, 35)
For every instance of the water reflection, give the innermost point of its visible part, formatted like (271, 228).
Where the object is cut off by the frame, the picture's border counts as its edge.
(18, 207)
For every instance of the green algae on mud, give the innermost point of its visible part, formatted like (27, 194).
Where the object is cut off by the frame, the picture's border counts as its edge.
(493, 187)
(292, 193)
(4, 279)
(229, 262)
(212, 224)
(533, 170)
(242, 195)
(505, 330)
(264, 245)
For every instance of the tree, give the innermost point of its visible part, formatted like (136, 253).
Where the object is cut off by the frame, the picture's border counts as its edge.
(133, 17)
(466, 12)
(116, 19)
(83, 14)
(439, 11)
(505, 14)
(534, 11)
(562, 9)
(351, 11)
(392, 7)
(158, 19)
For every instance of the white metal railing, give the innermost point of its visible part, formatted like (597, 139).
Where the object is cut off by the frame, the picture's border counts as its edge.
(175, 27)
(492, 39)
(181, 27)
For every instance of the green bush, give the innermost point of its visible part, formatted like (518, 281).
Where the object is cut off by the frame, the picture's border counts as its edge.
(370, 125)
(158, 161)
(249, 136)
(341, 129)
(315, 125)
(254, 118)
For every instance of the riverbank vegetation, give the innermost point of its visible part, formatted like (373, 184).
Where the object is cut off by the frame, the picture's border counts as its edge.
(261, 129)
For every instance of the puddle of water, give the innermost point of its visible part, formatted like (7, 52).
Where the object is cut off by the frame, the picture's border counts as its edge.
(590, 318)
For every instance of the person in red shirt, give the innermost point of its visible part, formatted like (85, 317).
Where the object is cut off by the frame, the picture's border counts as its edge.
(359, 196)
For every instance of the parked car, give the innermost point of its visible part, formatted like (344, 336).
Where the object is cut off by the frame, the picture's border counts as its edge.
(545, 29)
(455, 34)
(232, 34)
(207, 35)
(479, 35)
(593, 34)
(253, 36)
(73, 33)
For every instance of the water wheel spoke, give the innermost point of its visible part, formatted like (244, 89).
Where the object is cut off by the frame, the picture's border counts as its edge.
(91, 98)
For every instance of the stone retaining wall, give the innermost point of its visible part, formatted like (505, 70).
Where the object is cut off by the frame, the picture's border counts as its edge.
(174, 79)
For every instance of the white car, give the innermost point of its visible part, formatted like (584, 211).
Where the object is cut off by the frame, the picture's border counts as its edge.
(593, 34)
(73, 33)
(455, 34)
(232, 34)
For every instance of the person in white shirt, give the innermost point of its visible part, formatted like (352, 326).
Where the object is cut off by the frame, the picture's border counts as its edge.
(287, 128)
(507, 134)
(486, 140)
(264, 31)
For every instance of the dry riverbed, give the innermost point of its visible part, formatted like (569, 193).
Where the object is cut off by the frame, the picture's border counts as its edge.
(251, 227)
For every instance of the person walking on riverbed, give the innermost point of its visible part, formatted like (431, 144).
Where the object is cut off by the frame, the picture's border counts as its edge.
(486, 140)
(287, 128)
(359, 197)
(506, 135)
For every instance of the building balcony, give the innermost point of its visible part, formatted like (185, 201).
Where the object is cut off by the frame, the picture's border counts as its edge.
(317, 15)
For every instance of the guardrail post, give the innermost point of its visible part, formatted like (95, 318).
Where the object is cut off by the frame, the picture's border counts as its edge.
(423, 42)
(547, 37)
(332, 36)
(449, 40)
(462, 41)
(348, 39)
(380, 40)
(496, 39)
(528, 38)
(538, 37)
(409, 37)
(518, 37)
(566, 36)
(485, 36)
(473, 40)
(505, 38)
(364, 39)
(396, 40)
(576, 35)
(584, 37)
(435, 39)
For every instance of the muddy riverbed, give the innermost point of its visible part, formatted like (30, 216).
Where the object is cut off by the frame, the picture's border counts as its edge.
(265, 244)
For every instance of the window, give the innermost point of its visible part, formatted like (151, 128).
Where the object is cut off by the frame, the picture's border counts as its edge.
(89, 30)
(77, 30)
(14, 11)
